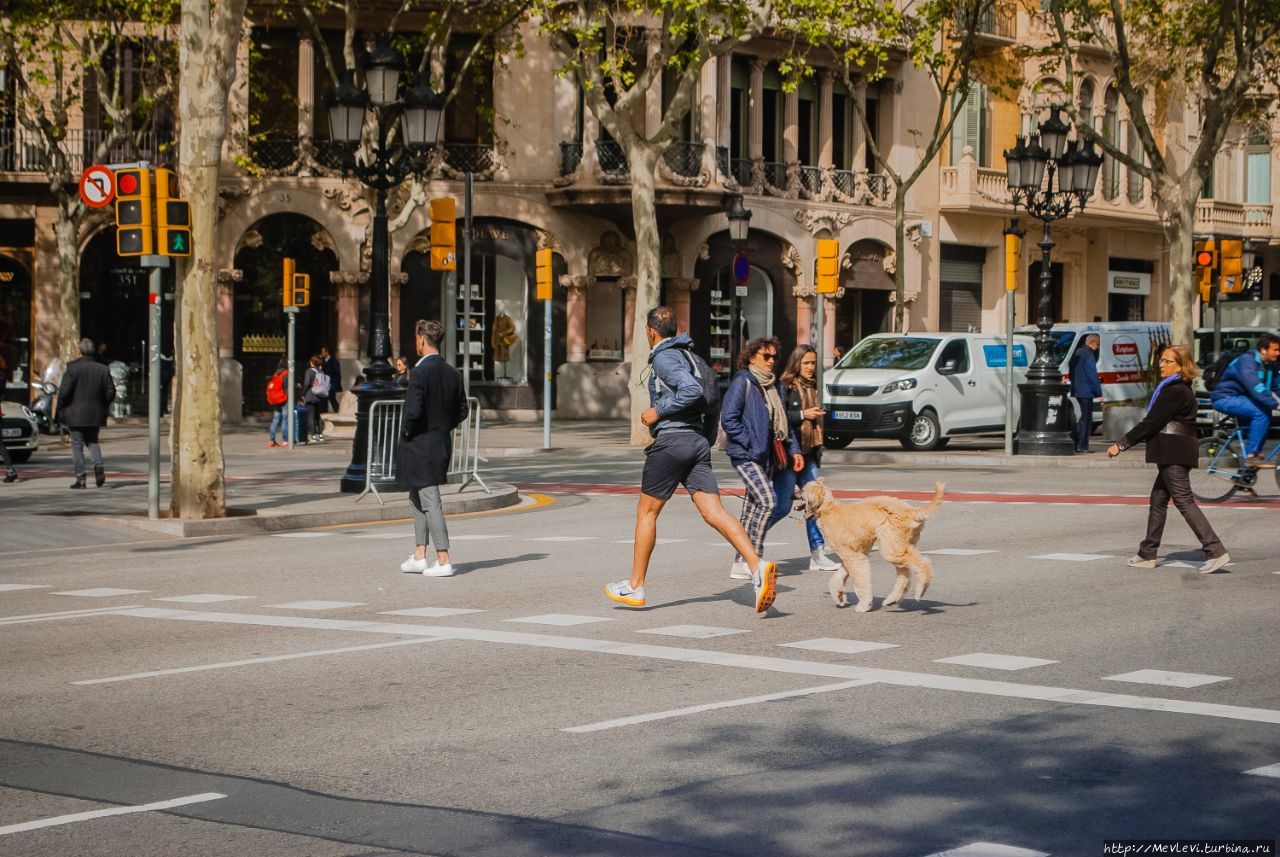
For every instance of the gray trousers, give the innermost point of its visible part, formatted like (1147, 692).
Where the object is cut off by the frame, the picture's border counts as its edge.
(80, 437)
(428, 515)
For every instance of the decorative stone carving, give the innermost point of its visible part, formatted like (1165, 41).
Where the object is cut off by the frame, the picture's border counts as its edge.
(250, 240)
(628, 284)
(230, 196)
(548, 241)
(704, 252)
(322, 240)
(790, 259)
(348, 198)
(817, 219)
(348, 278)
(420, 244)
(228, 276)
(610, 258)
(890, 262)
(914, 232)
(670, 176)
(681, 287)
(670, 259)
(575, 286)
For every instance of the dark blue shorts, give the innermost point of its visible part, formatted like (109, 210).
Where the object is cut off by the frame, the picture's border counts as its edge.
(678, 457)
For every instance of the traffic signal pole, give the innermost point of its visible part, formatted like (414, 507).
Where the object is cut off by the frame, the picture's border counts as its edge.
(291, 416)
(156, 264)
(468, 288)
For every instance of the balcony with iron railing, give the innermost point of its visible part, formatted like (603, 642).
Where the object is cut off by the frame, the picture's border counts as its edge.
(684, 158)
(20, 150)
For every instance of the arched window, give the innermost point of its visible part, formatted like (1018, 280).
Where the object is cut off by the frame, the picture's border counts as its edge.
(1257, 184)
(1084, 99)
(1111, 132)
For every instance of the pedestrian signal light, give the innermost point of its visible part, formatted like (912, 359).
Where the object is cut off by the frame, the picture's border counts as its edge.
(443, 234)
(133, 213)
(1231, 265)
(544, 276)
(828, 269)
(301, 290)
(166, 184)
(174, 228)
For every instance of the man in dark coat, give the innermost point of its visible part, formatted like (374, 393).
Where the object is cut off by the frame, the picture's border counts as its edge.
(1086, 386)
(87, 391)
(434, 405)
(331, 367)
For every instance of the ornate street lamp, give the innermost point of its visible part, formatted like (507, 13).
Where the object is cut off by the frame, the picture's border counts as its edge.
(1072, 168)
(739, 228)
(390, 161)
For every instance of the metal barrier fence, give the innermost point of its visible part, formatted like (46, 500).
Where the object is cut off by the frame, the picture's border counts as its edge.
(385, 419)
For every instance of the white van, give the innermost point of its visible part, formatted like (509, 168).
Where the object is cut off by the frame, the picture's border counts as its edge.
(1124, 353)
(921, 388)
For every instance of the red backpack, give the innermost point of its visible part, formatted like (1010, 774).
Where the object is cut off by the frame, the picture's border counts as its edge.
(276, 394)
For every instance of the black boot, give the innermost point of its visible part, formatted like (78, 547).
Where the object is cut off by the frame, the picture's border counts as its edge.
(11, 476)
(99, 475)
(79, 483)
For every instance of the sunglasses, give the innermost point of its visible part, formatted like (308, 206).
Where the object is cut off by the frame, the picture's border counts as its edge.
(768, 356)
(1164, 361)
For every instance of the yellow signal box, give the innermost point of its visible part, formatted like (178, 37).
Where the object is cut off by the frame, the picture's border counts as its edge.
(173, 215)
(1231, 265)
(289, 266)
(443, 234)
(134, 236)
(1205, 261)
(302, 290)
(544, 275)
(1012, 255)
(827, 280)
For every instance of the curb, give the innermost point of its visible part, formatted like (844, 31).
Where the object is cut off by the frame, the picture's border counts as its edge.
(249, 521)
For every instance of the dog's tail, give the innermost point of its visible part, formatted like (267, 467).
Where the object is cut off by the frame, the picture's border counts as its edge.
(929, 508)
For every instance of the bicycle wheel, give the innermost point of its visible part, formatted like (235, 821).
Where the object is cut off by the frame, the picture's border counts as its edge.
(1214, 478)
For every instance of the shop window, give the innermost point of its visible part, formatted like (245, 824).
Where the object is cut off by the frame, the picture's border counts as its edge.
(1126, 307)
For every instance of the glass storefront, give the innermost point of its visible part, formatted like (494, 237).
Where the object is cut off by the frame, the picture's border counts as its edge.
(15, 325)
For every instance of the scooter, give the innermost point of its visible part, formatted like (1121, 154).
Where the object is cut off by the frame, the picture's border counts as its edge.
(47, 421)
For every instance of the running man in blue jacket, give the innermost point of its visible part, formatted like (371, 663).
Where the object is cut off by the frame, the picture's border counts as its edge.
(1247, 391)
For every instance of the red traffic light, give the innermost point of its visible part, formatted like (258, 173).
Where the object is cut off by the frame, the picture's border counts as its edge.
(128, 183)
(1204, 259)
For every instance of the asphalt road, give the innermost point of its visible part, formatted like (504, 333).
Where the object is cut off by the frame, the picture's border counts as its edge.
(297, 694)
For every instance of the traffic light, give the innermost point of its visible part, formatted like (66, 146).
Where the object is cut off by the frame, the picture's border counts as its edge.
(1205, 261)
(828, 273)
(133, 212)
(174, 214)
(1231, 265)
(443, 235)
(544, 276)
(287, 291)
(301, 290)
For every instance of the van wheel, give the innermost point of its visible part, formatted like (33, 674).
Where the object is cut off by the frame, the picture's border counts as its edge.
(830, 442)
(925, 433)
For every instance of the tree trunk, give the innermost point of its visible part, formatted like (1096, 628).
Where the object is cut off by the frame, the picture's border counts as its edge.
(1179, 217)
(644, 214)
(900, 258)
(67, 231)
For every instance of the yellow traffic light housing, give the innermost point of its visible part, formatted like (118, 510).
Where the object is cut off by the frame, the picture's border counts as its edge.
(174, 228)
(1231, 265)
(1205, 262)
(544, 277)
(443, 234)
(302, 290)
(827, 280)
(133, 213)
(287, 291)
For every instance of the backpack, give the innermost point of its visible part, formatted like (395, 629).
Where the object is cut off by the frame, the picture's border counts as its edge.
(710, 404)
(276, 394)
(320, 385)
(1214, 371)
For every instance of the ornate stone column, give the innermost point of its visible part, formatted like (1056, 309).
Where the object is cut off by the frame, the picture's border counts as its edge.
(755, 140)
(708, 87)
(590, 134)
(306, 88)
(628, 286)
(679, 296)
(575, 311)
(226, 311)
(724, 100)
(348, 283)
(791, 127)
(826, 110)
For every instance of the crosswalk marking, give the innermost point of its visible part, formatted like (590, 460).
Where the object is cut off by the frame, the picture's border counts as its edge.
(478, 537)
(959, 552)
(204, 598)
(989, 849)
(656, 541)
(103, 813)
(14, 587)
(315, 605)
(995, 662)
(843, 647)
(1168, 679)
(436, 612)
(1268, 771)
(302, 535)
(1072, 557)
(563, 539)
(101, 592)
(559, 619)
(384, 536)
(697, 632)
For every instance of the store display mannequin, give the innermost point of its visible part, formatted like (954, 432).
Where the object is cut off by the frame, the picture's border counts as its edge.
(502, 338)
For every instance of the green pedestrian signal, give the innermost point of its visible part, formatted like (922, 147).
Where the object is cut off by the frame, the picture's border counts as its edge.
(174, 227)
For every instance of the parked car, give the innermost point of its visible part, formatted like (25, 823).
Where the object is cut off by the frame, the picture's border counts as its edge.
(18, 430)
(921, 388)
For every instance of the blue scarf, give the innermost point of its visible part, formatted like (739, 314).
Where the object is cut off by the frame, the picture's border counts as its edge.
(1155, 394)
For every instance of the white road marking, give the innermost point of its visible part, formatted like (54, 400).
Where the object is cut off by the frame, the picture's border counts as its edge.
(64, 614)
(901, 678)
(989, 849)
(103, 813)
(478, 537)
(384, 536)
(1072, 557)
(1178, 563)
(316, 605)
(563, 539)
(14, 587)
(435, 612)
(101, 592)
(264, 660)
(843, 647)
(1268, 771)
(656, 541)
(697, 632)
(995, 662)
(958, 552)
(1168, 679)
(712, 706)
(205, 598)
(301, 535)
(559, 619)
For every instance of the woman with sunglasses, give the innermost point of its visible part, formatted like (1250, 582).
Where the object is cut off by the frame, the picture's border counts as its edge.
(1169, 429)
(805, 412)
(761, 444)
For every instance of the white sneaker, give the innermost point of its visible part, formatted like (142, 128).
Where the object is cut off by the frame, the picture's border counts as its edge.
(438, 570)
(819, 561)
(739, 570)
(414, 566)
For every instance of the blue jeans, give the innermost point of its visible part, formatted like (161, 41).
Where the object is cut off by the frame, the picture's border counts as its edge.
(278, 421)
(784, 486)
(1247, 413)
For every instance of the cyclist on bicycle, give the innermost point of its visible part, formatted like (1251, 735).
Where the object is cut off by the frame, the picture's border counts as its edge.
(1247, 391)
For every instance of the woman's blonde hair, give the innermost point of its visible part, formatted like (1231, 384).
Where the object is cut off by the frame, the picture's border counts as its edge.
(1186, 363)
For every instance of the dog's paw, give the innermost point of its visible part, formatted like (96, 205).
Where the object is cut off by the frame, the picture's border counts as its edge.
(840, 600)
(862, 607)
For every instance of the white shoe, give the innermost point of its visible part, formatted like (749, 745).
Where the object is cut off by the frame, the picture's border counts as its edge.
(438, 570)
(415, 566)
(739, 570)
(819, 561)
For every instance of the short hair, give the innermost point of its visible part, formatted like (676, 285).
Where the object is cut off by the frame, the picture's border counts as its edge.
(314, 361)
(1266, 340)
(662, 321)
(86, 346)
(430, 330)
(1186, 362)
(754, 347)
(282, 364)
(1089, 336)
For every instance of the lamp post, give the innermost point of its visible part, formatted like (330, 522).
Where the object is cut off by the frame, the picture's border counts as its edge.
(739, 228)
(1072, 167)
(388, 163)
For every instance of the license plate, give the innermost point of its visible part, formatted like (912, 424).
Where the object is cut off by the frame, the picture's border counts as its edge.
(847, 415)
(14, 432)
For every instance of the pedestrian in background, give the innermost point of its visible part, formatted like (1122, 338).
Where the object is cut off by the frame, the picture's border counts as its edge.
(402, 372)
(87, 392)
(278, 400)
(1169, 429)
(1085, 387)
(333, 369)
(805, 413)
(315, 385)
(434, 405)
(761, 445)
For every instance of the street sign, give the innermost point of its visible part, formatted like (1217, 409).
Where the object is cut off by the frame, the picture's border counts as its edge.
(741, 268)
(97, 186)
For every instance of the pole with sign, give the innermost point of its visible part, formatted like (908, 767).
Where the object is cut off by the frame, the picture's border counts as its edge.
(156, 263)
(543, 281)
(741, 273)
(826, 281)
(1012, 255)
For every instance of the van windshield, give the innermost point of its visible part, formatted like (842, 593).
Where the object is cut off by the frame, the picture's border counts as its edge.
(905, 353)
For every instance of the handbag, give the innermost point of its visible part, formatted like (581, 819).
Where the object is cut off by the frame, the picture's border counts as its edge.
(779, 454)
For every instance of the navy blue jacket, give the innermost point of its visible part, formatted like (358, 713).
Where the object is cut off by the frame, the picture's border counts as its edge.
(673, 391)
(1085, 383)
(745, 419)
(1248, 376)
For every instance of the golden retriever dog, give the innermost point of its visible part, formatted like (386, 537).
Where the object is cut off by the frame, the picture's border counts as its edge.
(851, 529)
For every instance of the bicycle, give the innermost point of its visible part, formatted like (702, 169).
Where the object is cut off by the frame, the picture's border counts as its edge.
(1221, 471)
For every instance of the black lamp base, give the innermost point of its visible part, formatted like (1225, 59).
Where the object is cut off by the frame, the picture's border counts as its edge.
(1044, 426)
(373, 390)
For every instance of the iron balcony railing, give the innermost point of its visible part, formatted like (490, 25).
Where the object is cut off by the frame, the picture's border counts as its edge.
(612, 159)
(469, 157)
(684, 158)
(811, 180)
(740, 168)
(775, 174)
(570, 156)
(274, 153)
(20, 150)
